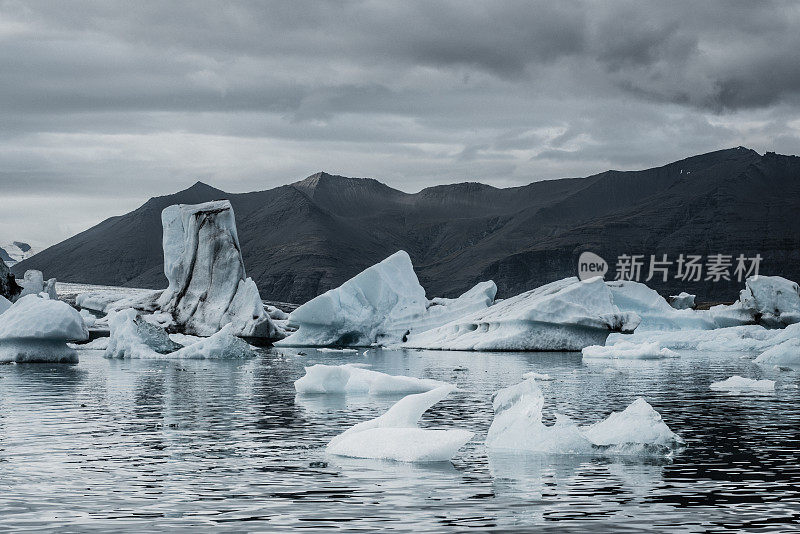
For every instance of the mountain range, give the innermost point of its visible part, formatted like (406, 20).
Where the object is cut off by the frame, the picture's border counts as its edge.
(302, 239)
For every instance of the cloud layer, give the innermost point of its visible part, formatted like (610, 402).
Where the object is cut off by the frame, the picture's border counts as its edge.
(104, 104)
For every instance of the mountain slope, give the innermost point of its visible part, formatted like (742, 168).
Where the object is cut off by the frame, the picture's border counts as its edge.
(301, 239)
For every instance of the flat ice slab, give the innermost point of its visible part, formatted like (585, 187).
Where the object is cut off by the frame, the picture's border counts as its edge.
(341, 379)
(629, 351)
(396, 436)
(740, 383)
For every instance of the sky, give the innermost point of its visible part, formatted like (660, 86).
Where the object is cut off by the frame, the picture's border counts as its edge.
(105, 104)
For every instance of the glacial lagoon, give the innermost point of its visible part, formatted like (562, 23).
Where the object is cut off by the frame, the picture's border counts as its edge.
(156, 444)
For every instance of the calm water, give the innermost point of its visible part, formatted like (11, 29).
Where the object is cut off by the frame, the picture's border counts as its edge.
(149, 445)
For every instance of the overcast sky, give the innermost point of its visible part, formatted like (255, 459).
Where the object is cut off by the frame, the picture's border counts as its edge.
(105, 104)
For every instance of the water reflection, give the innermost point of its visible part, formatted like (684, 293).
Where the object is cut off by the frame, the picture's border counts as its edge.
(150, 445)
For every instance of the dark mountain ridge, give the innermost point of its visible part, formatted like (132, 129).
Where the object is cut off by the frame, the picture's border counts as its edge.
(302, 239)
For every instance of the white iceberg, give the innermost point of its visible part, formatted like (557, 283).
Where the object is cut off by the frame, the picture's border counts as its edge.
(36, 329)
(221, 346)
(730, 339)
(629, 351)
(538, 376)
(203, 263)
(565, 315)
(132, 337)
(783, 354)
(682, 301)
(773, 300)
(396, 436)
(739, 383)
(637, 426)
(101, 343)
(382, 304)
(518, 426)
(348, 378)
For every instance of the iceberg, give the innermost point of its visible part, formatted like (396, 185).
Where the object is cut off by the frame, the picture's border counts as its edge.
(783, 354)
(682, 301)
(565, 315)
(738, 383)
(382, 304)
(396, 436)
(340, 379)
(518, 426)
(637, 426)
(36, 329)
(773, 300)
(221, 346)
(629, 351)
(133, 337)
(203, 264)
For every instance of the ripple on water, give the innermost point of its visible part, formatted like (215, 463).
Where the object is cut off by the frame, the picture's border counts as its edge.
(148, 445)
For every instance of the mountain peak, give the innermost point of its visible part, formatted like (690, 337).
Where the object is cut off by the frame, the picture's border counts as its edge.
(201, 187)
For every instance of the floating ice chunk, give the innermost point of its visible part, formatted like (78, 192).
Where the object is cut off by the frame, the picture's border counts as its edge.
(88, 318)
(783, 354)
(132, 337)
(565, 315)
(323, 349)
(773, 299)
(740, 383)
(537, 376)
(221, 346)
(34, 329)
(682, 301)
(32, 283)
(629, 351)
(638, 424)
(518, 426)
(352, 379)
(396, 436)
(203, 264)
(382, 304)
(731, 339)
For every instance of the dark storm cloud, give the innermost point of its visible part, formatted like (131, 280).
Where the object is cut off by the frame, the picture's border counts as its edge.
(96, 97)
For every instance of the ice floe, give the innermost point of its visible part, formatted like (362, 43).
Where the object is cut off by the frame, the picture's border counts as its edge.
(133, 337)
(382, 304)
(222, 345)
(629, 351)
(565, 315)
(518, 426)
(654, 310)
(354, 379)
(396, 436)
(740, 383)
(203, 264)
(682, 301)
(36, 329)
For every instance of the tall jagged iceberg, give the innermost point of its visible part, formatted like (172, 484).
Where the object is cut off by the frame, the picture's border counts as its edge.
(565, 315)
(203, 263)
(382, 304)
